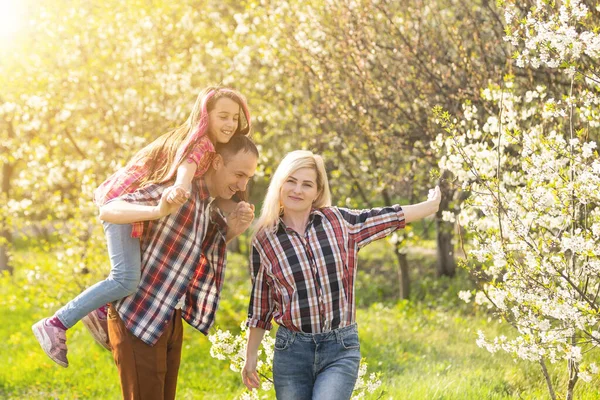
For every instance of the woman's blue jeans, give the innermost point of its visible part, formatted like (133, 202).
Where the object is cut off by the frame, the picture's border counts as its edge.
(316, 366)
(124, 277)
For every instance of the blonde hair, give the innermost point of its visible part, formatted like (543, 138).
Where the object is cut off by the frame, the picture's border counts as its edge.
(291, 163)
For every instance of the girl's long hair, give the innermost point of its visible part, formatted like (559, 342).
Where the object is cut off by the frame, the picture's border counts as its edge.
(164, 155)
(291, 163)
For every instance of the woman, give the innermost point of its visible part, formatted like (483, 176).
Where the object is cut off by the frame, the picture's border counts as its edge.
(304, 255)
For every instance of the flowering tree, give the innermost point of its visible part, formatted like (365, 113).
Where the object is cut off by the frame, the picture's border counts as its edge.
(366, 74)
(533, 173)
(85, 86)
(353, 80)
(228, 346)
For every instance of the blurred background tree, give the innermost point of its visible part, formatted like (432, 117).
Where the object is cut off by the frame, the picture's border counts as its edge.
(86, 85)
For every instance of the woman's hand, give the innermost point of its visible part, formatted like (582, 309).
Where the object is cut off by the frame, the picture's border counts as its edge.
(415, 212)
(249, 375)
(435, 197)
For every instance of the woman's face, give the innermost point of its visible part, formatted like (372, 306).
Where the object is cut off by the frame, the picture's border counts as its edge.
(299, 190)
(223, 120)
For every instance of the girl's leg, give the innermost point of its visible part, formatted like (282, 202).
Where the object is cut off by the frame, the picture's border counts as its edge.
(339, 361)
(125, 259)
(124, 277)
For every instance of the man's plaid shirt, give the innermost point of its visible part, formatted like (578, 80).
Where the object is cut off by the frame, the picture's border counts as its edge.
(306, 283)
(127, 179)
(183, 253)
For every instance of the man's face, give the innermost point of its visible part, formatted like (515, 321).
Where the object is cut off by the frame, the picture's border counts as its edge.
(233, 176)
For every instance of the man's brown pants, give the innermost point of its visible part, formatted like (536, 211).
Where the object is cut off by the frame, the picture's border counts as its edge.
(146, 372)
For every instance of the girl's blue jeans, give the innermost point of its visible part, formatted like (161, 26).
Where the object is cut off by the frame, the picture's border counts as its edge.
(316, 366)
(124, 277)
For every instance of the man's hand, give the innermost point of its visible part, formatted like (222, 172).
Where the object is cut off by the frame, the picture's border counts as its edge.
(240, 219)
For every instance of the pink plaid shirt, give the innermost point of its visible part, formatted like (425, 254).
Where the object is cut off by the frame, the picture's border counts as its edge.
(127, 179)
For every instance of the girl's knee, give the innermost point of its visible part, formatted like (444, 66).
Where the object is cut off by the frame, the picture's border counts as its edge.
(130, 286)
(126, 286)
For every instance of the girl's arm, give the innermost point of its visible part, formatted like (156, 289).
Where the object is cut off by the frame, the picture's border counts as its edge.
(182, 187)
(249, 374)
(123, 212)
(416, 212)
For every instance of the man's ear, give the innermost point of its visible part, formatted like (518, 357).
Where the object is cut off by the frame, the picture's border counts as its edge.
(217, 162)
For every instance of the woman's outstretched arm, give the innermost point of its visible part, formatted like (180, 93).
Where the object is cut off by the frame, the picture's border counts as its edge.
(418, 211)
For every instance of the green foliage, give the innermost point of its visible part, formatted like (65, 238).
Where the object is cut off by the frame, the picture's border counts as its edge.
(424, 348)
(86, 85)
(378, 279)
(236, 292)
(353, 81)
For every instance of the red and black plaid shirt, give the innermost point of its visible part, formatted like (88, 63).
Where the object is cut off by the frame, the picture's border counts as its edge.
(307, 283)
(127, 179)
(183, 253)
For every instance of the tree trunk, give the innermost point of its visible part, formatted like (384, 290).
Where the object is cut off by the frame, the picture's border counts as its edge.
(403, 274)
(573, 368)
(446, 265)
(4, 259)
(548, 379)
(5, 231)
(234, 245)
(573, 377)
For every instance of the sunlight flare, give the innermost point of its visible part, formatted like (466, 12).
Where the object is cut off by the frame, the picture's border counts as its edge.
(12, 18)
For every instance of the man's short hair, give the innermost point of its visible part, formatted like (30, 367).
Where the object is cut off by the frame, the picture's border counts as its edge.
(236, 144)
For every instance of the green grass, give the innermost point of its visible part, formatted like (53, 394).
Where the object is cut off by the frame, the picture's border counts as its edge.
(425, 348)
(27, 373)
(427, 354)
(422, 354)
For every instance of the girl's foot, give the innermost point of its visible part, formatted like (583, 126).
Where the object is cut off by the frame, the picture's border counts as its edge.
(95, 322)
(53, 341)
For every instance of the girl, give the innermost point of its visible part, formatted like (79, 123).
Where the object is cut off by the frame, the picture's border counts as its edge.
(184, 154)
(303, 262)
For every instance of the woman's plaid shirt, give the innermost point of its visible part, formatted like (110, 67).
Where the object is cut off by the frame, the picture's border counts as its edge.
(307, 283)
(183, 253)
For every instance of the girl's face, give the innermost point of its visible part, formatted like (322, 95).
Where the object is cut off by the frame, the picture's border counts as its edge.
(299, 190)
(223, 120)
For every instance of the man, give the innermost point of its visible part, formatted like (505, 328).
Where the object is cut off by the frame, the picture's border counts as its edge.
(183, 261)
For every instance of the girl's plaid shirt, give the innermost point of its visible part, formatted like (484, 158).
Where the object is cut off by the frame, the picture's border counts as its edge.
(307, 283)
(183, 254)
(127, 179)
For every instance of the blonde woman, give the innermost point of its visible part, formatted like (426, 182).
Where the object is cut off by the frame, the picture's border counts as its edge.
(303, 261)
